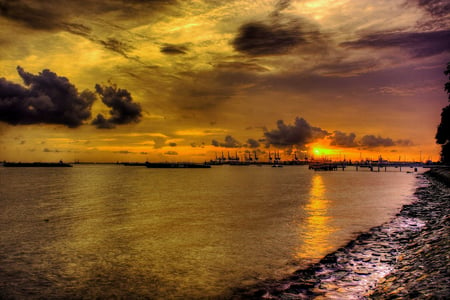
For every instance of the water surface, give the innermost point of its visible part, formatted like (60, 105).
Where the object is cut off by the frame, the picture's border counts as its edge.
(111, 230)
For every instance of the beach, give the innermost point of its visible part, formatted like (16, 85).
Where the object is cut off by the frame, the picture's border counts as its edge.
(405, 258)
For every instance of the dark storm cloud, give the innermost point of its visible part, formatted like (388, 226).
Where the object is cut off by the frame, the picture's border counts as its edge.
(117, 46)
(252, 143)
(278, 34)
(437, 8)
(230, 142)
(174, 49)
(372, 141)
(53, 14)
(102, 123)
(123, 109)
(259, 39)
(343, 139)
(78, 29)
(39, 16)
(47, 98)
(298, 134)
(420, 44)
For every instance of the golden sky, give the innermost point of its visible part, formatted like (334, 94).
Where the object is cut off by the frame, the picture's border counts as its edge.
(136, 80)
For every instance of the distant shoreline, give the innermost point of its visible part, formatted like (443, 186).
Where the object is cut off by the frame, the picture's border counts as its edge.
(36, 164)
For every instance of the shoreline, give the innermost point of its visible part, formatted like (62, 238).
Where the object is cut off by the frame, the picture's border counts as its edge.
(406, 257)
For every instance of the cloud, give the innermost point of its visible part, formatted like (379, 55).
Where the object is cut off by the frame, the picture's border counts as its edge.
(174, 49)
(171, 153)
(102, 123)
(117, 46)
(343, 139)
(278, 34)
(253, 143)
(438, 8)
(404, 142)
(230, 142)
(279, 7)
(123, 109)
(53, 14)
(202, 145)
(159, 142)
(372, 141)
(420, 44)
(49, 150)
(47, 98)
(259, 39)
(299, 134)
(240, 67)
(38, 16)
(78, 29)
(206, 90)
(124, 152)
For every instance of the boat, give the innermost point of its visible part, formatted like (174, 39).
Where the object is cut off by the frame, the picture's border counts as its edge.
(167, 165)
(36, 164)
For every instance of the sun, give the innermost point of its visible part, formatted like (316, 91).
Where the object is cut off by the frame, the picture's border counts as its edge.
(322, 151)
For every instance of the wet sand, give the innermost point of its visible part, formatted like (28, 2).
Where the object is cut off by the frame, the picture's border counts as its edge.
(406, 258)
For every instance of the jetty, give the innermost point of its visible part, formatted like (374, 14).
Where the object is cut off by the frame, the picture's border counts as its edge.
(179, 165)
(372, 166)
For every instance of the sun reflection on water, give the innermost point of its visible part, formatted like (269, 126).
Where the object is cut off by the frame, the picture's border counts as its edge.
(315, 231)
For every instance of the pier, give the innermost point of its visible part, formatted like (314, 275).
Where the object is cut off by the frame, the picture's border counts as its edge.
(370, 166)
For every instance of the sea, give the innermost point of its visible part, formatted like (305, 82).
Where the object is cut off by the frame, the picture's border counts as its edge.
(98, 231)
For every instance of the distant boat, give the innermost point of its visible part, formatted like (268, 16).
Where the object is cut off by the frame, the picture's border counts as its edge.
(36, 164)
(177, 165)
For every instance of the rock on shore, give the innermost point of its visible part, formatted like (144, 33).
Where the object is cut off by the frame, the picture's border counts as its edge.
(406, 258)
(423, 269)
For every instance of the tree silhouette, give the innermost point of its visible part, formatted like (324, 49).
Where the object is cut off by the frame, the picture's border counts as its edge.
(443, 131)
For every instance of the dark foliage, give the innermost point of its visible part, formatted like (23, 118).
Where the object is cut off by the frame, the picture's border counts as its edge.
(443, 131)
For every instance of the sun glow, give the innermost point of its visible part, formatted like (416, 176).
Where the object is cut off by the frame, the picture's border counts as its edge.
(316, 229)
(320, 150)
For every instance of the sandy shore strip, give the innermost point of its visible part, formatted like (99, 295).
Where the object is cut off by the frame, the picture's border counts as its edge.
(406, 258)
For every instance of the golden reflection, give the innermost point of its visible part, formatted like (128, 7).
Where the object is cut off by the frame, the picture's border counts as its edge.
(315, 231)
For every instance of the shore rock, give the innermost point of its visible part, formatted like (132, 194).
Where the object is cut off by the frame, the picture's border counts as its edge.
(422, 270)
(406, 258)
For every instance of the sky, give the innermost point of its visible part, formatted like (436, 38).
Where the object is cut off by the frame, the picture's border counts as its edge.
(185, 80)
